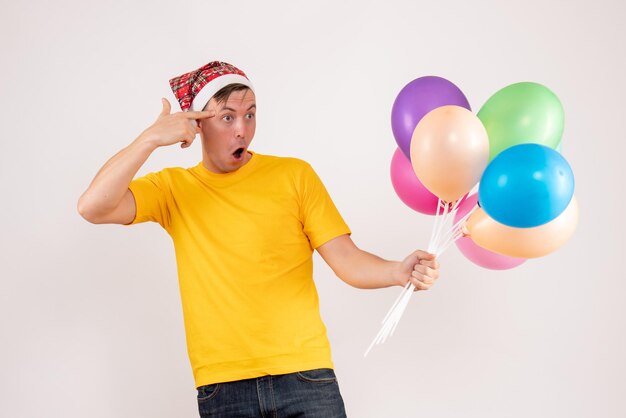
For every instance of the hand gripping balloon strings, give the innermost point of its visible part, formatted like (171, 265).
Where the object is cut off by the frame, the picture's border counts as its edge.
(442, 236)
(449, 150)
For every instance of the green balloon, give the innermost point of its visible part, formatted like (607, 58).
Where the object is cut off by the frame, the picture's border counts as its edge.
(522, 113)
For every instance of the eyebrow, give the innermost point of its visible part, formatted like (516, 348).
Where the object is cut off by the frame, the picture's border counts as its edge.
(233, 110)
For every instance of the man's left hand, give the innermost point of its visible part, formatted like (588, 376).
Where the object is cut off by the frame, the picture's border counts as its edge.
(420, 267)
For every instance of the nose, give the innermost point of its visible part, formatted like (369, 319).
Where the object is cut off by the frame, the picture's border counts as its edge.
(239, 129)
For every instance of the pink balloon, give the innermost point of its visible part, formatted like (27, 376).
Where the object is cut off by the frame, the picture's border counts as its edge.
(408, 187)
(476, 254)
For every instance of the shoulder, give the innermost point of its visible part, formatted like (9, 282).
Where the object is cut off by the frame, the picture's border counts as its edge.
(288, 164)
(174, 171)
(283, 160)
(166, 176)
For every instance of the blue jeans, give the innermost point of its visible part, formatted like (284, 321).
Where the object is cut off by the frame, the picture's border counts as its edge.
(308, 394)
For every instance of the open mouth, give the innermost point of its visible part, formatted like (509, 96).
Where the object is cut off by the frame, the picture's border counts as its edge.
(238, 153)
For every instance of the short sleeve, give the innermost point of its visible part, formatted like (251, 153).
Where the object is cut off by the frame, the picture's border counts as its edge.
(319, 216)
(150, 193)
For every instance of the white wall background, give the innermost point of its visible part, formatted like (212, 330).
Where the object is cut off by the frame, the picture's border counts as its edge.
(90, 315)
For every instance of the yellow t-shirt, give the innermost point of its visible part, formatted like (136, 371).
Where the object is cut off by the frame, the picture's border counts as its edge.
(244, 243)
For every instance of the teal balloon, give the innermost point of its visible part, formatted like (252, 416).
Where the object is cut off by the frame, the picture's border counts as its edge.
(522, 113)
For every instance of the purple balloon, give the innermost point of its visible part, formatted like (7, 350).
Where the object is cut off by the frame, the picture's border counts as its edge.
(409, 188)
(418, 98)
(476, 254)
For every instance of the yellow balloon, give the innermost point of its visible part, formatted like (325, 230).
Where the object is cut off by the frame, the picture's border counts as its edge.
(449, 151)
(522, 242)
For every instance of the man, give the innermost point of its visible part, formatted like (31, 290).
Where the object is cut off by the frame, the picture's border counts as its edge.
(244, 227)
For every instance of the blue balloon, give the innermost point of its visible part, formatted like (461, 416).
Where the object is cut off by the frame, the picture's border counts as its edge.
(526, 185)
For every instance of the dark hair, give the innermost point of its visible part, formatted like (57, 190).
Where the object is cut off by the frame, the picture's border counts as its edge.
(224, 93)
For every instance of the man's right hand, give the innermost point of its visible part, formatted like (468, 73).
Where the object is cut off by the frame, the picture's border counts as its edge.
(171, 128)
(108, 198)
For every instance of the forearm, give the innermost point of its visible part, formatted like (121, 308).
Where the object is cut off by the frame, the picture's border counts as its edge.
(111, 182)
(364, 270)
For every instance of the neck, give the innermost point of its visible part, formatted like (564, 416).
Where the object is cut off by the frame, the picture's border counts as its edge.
(209, 165)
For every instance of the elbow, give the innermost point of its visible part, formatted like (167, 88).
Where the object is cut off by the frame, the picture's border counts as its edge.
(356, 284)
(86, 211)
(348, 279)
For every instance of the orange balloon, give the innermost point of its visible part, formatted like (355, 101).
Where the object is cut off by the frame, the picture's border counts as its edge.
(449, 151)
(522, 242)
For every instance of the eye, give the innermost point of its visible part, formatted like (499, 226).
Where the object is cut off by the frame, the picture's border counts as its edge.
(227, 118)
(250, 116)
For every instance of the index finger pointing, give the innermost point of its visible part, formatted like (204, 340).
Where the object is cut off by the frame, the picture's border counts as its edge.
(199, 114)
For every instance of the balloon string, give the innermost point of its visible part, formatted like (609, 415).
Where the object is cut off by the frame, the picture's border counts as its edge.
(401, 310)
(431, 241)
(440, 226)
(449, 215)
(458, 226)
(456, 205)
(393, 317)
(384, 331)
(440, 240)
(395, 303)
(460, 222)
(451, 241)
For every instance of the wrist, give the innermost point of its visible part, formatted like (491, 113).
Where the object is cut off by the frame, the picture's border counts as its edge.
(146, 140)
(396, 277)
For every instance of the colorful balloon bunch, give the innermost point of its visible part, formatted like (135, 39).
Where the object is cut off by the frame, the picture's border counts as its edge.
(525, 205)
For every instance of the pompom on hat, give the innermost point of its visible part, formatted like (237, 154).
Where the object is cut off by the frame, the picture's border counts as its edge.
(194, 89)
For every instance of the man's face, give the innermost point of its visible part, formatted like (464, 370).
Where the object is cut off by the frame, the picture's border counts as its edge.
(227, 135)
